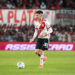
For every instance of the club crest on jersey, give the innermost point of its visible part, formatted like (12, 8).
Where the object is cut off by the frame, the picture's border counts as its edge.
(42, 25)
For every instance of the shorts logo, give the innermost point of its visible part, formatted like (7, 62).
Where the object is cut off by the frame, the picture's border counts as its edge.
(46, 45)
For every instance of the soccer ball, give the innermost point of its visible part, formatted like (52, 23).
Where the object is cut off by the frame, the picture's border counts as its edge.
(20, 65)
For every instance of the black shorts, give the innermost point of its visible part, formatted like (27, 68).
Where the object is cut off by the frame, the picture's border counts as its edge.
(42, 44)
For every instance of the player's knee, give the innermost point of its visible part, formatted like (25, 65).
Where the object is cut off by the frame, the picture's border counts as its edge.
(41, 52)
(36, 51)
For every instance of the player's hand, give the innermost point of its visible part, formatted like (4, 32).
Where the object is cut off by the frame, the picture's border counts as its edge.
(31, 40)
(44, 34)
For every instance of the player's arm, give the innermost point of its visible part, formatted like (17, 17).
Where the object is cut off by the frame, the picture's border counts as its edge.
(35, 35)
(50, 30)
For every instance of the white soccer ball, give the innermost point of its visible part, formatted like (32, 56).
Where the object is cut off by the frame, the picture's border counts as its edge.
(20, 65)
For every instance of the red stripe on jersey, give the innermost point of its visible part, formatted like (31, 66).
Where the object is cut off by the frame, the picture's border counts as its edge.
(42, 26)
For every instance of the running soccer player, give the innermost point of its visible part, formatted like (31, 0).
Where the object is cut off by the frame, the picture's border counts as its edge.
(42, 31)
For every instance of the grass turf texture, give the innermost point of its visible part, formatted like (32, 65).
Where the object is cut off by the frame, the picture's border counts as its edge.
(57, 63)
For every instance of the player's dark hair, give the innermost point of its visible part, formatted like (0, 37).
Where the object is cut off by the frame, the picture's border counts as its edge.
(39, 12)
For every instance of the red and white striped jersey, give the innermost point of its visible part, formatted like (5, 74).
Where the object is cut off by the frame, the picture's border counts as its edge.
(41, 28)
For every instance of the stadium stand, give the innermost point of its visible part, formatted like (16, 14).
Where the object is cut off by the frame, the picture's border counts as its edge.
(24, 33)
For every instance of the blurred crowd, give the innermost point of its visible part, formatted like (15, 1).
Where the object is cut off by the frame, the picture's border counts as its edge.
(36, 4)
(21, 33)
(24, 33)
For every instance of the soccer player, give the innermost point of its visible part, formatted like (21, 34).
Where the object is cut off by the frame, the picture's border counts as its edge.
(42, 31)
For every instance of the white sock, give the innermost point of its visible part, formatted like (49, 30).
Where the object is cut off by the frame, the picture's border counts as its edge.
(41, 59)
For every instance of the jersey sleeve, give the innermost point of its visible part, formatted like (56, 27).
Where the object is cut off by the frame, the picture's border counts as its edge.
(36, 31)
(49, 28)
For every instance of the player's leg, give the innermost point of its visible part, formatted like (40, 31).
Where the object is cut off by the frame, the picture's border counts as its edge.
(37, 52)
(38, 46)
(42, 53)
(41, 58)
(44, 48)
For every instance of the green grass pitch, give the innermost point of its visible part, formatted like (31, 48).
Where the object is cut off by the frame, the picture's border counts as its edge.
(57, 63)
